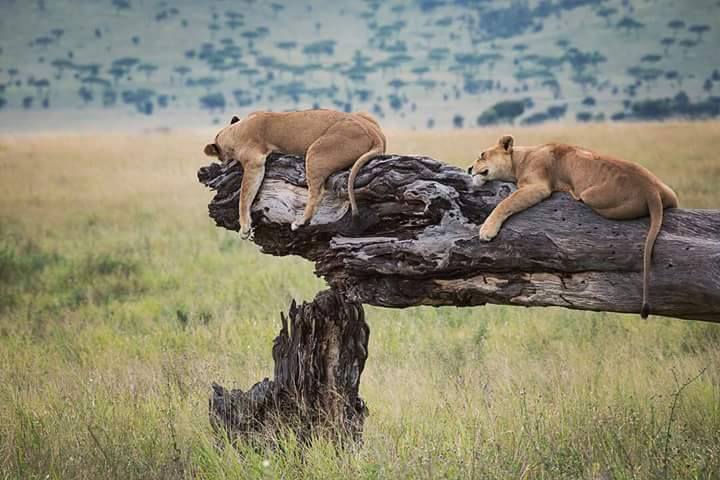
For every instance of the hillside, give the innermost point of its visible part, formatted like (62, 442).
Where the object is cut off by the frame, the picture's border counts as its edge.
(419, 64)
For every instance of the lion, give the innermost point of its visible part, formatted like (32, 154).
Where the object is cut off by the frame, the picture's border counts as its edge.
(329, 140)
(614, 188)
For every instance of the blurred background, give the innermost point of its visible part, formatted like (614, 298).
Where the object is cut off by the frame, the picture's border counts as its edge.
(419, 64)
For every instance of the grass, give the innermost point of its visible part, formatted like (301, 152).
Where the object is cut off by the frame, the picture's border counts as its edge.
(117, 309)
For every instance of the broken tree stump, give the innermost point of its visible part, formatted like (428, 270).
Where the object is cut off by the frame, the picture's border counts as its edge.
(419, 243)
(319, 356)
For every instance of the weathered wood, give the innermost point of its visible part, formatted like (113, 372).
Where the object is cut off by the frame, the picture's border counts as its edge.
(418, 243)
(319, 357)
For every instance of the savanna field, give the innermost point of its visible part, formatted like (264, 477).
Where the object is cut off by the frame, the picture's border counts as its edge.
(120, 302)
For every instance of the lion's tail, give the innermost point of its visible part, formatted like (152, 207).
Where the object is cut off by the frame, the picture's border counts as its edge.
(655, 206)
(364, 158)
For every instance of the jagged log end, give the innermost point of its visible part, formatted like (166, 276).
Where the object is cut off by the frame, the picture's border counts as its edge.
(319, 356)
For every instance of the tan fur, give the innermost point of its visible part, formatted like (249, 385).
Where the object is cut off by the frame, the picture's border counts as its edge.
(614, 188)
(329, 140)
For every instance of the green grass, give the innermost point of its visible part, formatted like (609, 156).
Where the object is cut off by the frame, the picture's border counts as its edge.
(119, 305)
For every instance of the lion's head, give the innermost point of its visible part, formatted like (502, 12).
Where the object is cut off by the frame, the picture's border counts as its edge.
(495, 163)
(223, 146)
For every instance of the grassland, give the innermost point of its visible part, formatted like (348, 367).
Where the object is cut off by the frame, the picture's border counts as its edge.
(120, 302)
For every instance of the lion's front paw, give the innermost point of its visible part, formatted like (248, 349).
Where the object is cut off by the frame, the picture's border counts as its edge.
(295, 225)
(488, 232)
(247, 232)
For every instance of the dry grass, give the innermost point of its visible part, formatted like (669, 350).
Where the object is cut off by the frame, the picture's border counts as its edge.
(114, 319)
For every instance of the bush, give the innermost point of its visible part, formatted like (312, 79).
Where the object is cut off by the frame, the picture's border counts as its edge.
(583, 116)
(213, 101)
(503, 112)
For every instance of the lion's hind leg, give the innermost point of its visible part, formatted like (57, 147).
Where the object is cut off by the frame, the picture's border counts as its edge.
(598, 197)
(330, 153)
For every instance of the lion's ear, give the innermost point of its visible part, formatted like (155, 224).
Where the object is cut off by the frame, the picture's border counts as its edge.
(234, 119)
(506, 141)
(211, 150)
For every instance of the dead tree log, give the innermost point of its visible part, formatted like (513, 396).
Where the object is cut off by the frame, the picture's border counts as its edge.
(319, 356)
(418, 244)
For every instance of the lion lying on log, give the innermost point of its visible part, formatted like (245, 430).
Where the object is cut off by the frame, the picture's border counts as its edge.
(614, 188)
(329, 140)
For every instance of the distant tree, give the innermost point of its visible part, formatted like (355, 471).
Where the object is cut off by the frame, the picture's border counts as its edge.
(85, 94)
(420, 71)
(687, 44)
(109, 97)
(182, 70)
(584, 80)
(588, 101)
(148, 69)
(213, 101)
(242, 98)
(583, 116)
(122, 4)
(458, 121)
(629, 24)
(250, 36)
(556, 112)
(395, 101)
(135, 40)
(606, 13)
(320, 47)
(651, 58)
(699, 30)
(676, 25)
(277, 8)
(126, 62)
(667, 42)
(288, 45)
(205, 82)
(644, 74)
(43, 41)
(553, 85)
(117, 73)
(505, 111)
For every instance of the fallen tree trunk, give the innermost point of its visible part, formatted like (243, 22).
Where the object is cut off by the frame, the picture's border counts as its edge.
(419, 246)
(319, 356)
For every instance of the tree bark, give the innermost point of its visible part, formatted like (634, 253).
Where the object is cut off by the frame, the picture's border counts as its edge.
(319, 356)
(417, 243)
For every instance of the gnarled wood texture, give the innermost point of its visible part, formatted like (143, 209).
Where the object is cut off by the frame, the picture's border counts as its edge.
(319, 356)
(418, 244)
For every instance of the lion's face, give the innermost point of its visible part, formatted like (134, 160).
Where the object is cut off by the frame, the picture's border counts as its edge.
(495, 163)
(223, 146)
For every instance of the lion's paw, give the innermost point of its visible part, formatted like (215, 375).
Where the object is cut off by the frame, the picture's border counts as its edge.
(487, 232)
(295, 225)
(247, 233)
